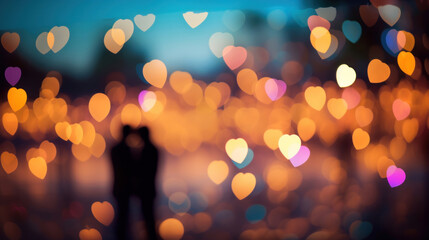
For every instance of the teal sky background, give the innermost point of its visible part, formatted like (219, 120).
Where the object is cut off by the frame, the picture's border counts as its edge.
(169, 39)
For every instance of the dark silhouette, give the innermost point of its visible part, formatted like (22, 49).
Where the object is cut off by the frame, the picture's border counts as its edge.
(121, 162)
(146, 167)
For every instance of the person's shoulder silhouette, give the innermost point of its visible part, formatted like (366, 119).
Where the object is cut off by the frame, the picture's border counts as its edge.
(121, 163)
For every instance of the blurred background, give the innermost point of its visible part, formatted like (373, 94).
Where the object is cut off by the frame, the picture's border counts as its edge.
(55, 142)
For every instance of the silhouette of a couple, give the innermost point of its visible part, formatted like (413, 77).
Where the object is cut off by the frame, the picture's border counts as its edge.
(135, 174)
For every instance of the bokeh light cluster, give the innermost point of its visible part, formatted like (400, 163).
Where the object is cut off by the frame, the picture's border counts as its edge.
(315, 145)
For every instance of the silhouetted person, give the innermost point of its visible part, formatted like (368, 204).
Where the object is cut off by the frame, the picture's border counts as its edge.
(121, 162)
(146, 168)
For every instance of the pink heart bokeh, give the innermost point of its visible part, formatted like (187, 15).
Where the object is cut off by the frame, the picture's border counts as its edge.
(301, 157)
(395, 176)
(275, 88)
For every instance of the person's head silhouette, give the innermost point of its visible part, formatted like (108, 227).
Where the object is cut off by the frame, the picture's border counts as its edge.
(126, 130)
(144, 133)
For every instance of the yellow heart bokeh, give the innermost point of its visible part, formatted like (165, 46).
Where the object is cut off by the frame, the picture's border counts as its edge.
(88, 133)
(315, 97)
(127, 27)
(360, 139)
(50, 150)
(76, 135)
(246, 80)
(289, 145)
(9, 162)
(217, 171)
(50, 39)
(410, 128)
(10, 123)
(57, 38)
(63, 130)
(320, 39)
(346, 75)
(237, 149)
(111, 39)
(99, 106)
(271, 138)
(306, 129)
(332, 48)
(103, 212)
(378, 71)
(181, 82)
(242, 185)
(90, 234)
(171, 229)
(99, 146)
(195, 19)
(406, 62)
(337, 107)
(155, 73)
(38, 167)
(406, 40)
(16, 98)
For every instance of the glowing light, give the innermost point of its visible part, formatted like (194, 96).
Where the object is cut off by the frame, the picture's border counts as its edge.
(237, 149)
(378, 71)
(144, 22)
(195, 19)
(16, 98)
(234, 57)
(352, 30)
(147, 100)
(38, 167)
(99, 106)
(155, 73)
(360, 139)
(320, 39)
(346, 75)
(389, 13)
(171, 229)
(315, 97)
(406, 62)
(275, 88)
(10, 123)
(301, 157)
(217, 171)
(9, 162)
(289, 145)
(90, 234)
(242, 185)
(337, 107)
(395, 176)
(401, 109)
(103, 212)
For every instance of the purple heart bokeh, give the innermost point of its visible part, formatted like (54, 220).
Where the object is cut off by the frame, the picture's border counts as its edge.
(12, 74)
(301, 157)
(395, 176)
(275, 88)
